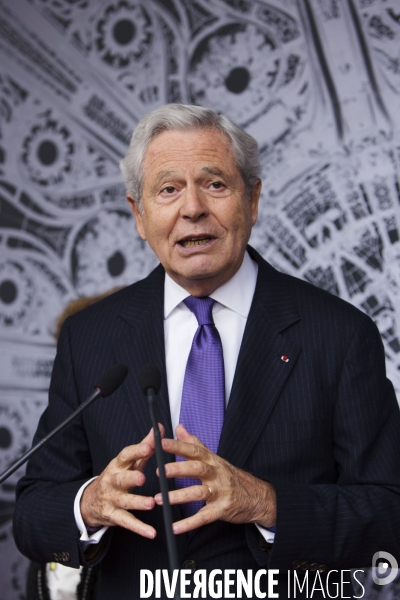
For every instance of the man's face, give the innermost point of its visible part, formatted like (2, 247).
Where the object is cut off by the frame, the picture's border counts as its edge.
(196, 216)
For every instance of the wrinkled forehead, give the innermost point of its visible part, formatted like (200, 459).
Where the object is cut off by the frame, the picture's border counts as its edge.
(185, 149)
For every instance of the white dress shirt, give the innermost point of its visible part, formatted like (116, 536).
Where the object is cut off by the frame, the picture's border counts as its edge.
(230, 312)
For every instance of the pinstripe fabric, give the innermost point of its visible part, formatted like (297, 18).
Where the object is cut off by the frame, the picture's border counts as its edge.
(324, 428)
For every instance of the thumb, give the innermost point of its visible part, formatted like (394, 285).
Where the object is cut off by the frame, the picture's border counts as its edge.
(183, 435)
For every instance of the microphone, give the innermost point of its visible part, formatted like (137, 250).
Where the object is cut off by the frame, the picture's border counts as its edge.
(150, 379)
(109, 382)
(106, 385)
(150, 382)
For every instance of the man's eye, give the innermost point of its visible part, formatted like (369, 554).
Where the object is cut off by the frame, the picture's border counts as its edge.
(169, 189)
(217, 185)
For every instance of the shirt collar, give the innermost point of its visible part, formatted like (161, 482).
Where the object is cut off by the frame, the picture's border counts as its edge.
(236, 294)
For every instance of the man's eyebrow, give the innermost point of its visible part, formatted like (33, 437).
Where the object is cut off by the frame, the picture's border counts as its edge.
(213, 171)
(164, 175)
(161, 176)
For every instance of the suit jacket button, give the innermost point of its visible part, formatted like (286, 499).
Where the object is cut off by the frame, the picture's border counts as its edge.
(190, 565)
(322, 568)
(314, 567)
(305, 566)
(296, 564)
(61, 557)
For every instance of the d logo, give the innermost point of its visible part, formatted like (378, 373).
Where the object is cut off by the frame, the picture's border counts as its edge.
(384, 568)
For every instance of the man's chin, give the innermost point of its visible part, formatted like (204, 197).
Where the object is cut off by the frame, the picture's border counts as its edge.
(197, 266)
(199, 278)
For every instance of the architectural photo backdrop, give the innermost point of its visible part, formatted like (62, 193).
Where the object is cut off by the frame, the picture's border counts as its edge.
(316, 82)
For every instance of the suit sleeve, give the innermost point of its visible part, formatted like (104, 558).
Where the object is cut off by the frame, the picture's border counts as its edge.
(44, 522)
(342, 524)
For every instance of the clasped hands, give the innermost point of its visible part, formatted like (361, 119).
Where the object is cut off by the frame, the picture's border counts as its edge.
(230, 494)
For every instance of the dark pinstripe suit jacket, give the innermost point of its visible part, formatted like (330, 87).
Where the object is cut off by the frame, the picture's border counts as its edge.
(323, 427)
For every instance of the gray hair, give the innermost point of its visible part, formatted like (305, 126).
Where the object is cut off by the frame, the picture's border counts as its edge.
(180, 116)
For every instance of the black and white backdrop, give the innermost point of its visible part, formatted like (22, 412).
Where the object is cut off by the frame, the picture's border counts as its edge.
(317, 82)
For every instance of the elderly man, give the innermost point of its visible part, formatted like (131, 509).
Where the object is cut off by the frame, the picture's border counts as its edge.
(274, 400)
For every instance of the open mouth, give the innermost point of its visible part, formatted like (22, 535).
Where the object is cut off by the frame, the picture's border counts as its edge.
(188, 243)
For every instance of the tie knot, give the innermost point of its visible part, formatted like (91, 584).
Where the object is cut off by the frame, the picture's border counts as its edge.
(202, 308)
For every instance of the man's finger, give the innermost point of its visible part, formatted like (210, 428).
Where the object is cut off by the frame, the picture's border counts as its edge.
(185, 436)
(190, 468)
(139, 452)
(129, 455)
(207, 514)
(142, 462)
(125, 519)
(150, 436)
(135, 502)
(187, 450)
(126, 480)
(193, 493)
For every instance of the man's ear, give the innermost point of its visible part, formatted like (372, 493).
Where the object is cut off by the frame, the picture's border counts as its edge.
(254, 199)
(138, 216)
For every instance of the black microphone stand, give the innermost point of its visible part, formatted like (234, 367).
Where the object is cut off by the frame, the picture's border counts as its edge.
(166, 507)
(96, 394)
(107, 383)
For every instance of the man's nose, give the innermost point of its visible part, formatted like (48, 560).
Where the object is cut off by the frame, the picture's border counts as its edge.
(194, 203)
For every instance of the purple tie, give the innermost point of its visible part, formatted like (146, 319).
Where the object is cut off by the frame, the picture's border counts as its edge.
(203, 396)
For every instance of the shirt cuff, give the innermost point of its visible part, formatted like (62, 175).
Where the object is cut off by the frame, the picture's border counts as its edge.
(268, 534)
(87, 537)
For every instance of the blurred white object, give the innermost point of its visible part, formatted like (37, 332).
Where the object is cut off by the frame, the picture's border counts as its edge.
(62, 581)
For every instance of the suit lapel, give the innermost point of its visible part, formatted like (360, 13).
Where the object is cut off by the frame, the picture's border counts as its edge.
(143, 342)
(260, 372)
